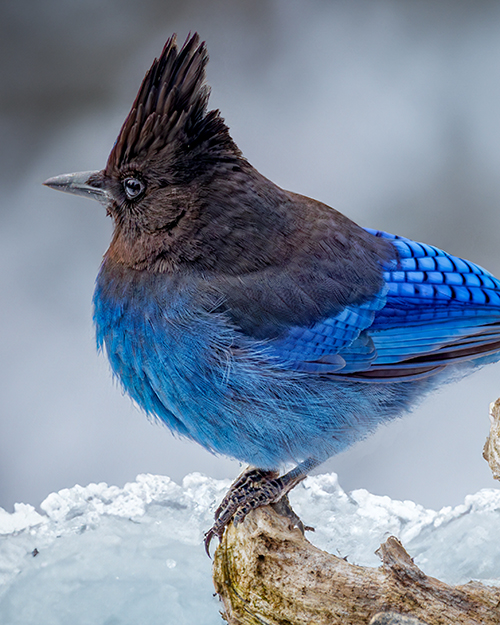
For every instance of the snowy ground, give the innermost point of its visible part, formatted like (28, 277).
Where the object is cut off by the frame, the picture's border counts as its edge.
(103, 555)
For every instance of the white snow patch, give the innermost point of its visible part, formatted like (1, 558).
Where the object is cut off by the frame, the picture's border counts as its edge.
(120, 556)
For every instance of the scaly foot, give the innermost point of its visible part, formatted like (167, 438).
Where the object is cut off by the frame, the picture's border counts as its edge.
(254, 488)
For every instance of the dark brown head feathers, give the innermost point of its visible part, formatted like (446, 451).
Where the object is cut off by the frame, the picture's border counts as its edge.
(169, 116)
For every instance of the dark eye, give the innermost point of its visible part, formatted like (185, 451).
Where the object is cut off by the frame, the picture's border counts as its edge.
(133, 188)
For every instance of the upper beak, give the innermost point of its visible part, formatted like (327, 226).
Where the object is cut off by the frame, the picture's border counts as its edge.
(87, 183)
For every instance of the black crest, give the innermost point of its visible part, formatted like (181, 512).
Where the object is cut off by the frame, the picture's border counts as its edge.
(170, 113)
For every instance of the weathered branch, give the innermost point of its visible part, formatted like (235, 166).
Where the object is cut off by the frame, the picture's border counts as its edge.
(267, 572)
(491, 451)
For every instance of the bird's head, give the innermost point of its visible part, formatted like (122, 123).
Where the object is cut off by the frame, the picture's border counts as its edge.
(168, 153)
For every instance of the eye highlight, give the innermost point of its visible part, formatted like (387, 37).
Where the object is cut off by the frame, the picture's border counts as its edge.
(133, 188)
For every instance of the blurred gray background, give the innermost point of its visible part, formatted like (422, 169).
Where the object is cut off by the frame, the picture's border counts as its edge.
(386, 110)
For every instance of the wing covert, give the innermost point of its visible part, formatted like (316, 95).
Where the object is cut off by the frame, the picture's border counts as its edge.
(436, 309)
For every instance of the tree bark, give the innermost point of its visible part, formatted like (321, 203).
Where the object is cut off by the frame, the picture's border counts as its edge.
(491, 451)
(267, 572)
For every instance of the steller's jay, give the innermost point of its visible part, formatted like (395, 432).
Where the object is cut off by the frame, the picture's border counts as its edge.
(262, 324)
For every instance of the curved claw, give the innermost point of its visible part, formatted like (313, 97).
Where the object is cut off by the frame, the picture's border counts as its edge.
(208, 539)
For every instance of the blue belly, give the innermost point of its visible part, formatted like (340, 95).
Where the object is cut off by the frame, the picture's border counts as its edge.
(189, 368)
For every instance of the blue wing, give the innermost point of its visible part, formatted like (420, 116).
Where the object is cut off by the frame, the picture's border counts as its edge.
(436, 309)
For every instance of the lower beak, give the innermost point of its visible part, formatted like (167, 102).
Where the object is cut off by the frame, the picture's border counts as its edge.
(87, 183)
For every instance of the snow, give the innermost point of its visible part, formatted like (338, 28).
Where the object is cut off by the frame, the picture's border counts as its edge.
(105, 555)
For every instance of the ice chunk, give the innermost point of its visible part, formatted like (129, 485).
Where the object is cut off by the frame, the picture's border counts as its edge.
(121, 556)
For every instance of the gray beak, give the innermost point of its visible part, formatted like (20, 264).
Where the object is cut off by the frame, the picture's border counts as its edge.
(87, 183)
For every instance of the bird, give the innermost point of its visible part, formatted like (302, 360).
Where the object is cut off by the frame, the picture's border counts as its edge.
(263, 325)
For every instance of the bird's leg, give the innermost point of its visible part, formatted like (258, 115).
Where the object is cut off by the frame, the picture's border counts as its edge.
(252, 489)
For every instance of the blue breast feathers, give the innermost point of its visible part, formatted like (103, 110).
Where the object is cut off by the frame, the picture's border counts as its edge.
(190, 368)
